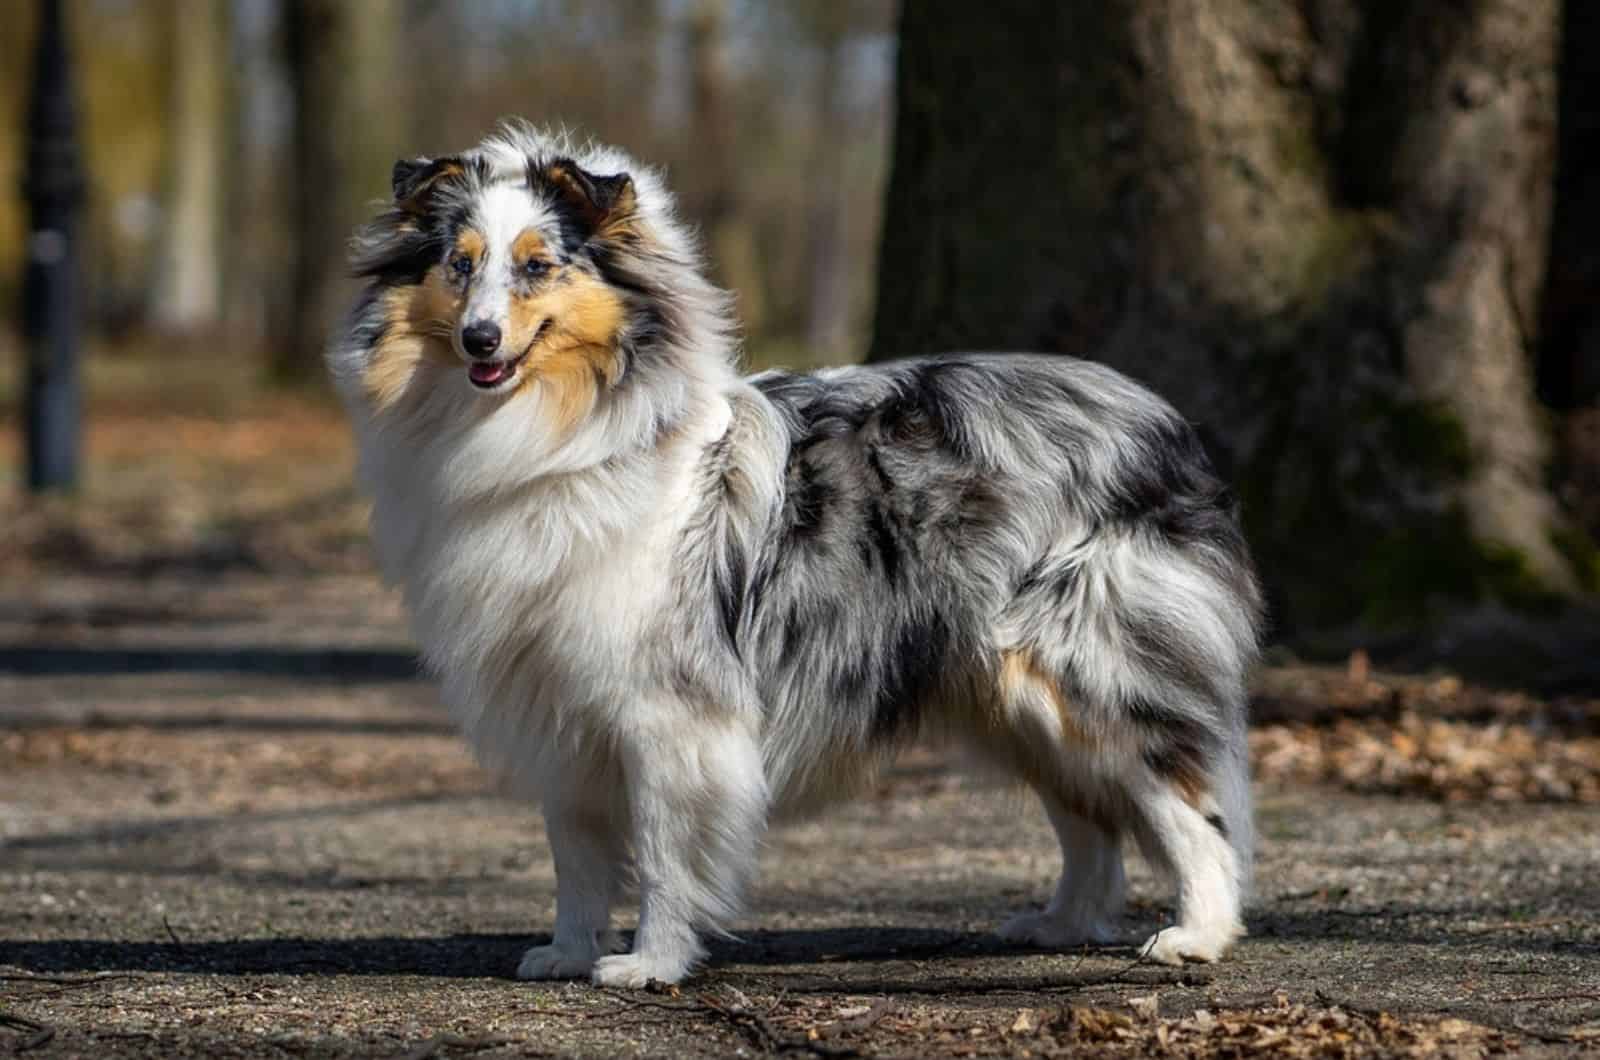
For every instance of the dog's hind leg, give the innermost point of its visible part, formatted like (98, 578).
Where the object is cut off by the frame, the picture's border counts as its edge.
(1090, 894)
(1183, 827)
(589, 863)
(697, 799)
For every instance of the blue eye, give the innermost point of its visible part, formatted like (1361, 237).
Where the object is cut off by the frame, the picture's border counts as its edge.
(535, 267)
(461, 265)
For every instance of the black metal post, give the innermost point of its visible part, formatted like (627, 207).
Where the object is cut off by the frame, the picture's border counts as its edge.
(53, 187)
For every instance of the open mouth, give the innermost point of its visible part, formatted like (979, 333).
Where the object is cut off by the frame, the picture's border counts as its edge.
(492, 375)
(486, 375)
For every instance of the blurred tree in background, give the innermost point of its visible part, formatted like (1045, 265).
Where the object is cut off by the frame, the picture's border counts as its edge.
(234, 144)
(190, 272)
(351, 100)
(1321, 227)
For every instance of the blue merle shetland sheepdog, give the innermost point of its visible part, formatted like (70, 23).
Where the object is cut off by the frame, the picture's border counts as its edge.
(670, 601)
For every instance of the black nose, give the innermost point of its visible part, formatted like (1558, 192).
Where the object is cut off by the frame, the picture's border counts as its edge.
(481, 338)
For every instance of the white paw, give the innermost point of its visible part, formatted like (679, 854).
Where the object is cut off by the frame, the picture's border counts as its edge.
(1175, 945)
(552, 962)
(633, 970)
(1055, 933)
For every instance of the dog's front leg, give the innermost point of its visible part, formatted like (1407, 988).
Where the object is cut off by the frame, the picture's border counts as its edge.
(589, 861)
(697, 798)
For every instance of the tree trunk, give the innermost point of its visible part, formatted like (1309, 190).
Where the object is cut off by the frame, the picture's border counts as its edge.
(1319, 227)
(1569, 370)
(189, 286)
(349, 105)
(828, 302)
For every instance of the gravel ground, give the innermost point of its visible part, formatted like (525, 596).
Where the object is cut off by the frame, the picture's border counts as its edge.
(232, 823)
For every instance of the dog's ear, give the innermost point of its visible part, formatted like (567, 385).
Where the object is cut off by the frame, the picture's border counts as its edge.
(604, 205)
(415, 180)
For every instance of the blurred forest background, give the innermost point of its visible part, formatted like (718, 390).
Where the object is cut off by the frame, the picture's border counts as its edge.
(231, 145)
(1351, 239)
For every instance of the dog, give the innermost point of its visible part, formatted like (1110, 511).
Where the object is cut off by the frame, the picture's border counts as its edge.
(670, 602)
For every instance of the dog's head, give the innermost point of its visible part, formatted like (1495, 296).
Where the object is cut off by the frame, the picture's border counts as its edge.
(517, 285)
(528, 267)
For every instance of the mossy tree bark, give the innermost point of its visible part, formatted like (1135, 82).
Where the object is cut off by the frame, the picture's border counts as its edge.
(1319, 227)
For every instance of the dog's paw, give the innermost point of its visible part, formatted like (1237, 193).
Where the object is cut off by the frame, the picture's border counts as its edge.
(633, 970)
(552, 962)
(1056, 933)
(1176, 945)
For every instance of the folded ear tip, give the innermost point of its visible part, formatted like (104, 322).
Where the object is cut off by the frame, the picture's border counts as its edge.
(404, 173)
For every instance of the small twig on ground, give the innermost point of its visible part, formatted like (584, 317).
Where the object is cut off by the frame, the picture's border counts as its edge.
(1142, 958)
(777, 1002)
(173, 935)
(860, 1023)
(1324, 998)
(41, 1032)
(763, 1036)
(1580, 995)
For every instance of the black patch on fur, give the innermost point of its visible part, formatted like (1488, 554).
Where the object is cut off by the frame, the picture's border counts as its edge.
(927, 389)
(728, 585)
(1064, 584)
(1166, 483)
(1170, 732)
(1216, 821)
(806, 502)
(979, 507)
(411, 252)
(371, 323)
(792, 636)
(1177, 763)
(882, 542)
(654, 315)
(875, 462)
(1165, 652)
(914, 665)
(850, 679)
(814, 411)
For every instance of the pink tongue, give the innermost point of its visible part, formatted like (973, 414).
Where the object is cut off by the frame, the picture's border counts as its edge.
(487, 373)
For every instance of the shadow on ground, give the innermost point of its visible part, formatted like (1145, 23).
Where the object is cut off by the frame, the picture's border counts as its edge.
(355, 664)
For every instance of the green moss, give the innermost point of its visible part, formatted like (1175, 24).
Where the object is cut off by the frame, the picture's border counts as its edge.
(1338, 248)
(1429, 434)
(1343, 507)
(1410, 573)
(1582, 555)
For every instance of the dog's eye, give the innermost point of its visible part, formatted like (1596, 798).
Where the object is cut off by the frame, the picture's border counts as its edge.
(461, 265)
(534, 267)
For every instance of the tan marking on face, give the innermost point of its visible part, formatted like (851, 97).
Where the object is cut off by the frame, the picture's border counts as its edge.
(419, 320)
(576, 357)
(528, 246)
(470, 242)
(1021, 675)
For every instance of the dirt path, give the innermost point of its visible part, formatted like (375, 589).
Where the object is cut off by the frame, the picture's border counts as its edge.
(231, 824)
